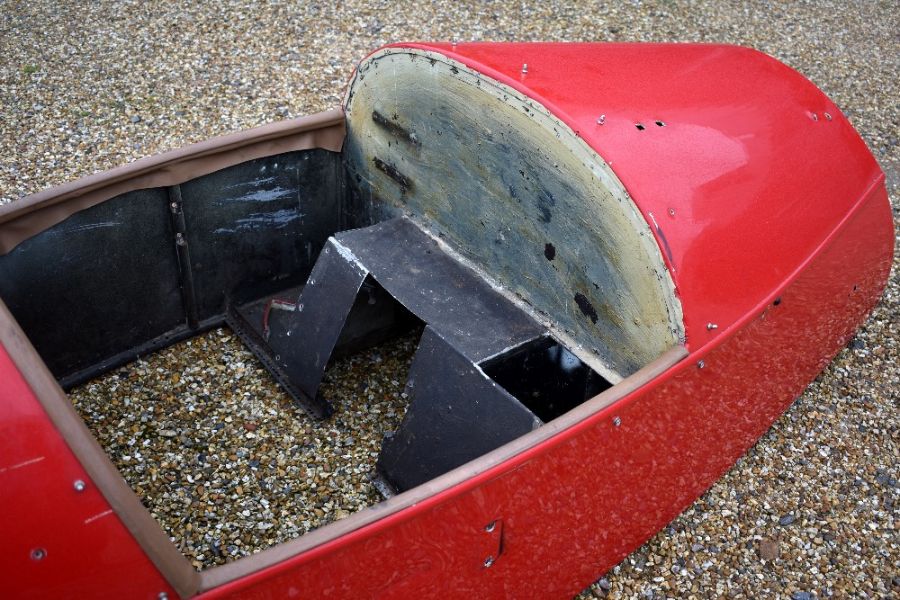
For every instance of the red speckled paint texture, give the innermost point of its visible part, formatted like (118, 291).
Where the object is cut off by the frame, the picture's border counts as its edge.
(756, 200)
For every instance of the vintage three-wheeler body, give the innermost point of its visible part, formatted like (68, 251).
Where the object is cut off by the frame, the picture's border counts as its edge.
(628, 260)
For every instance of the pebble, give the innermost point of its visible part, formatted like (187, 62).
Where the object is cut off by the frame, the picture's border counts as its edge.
(66, 111)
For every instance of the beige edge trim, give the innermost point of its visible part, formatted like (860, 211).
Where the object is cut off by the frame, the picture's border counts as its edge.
(176, 569)
(22, 219)
(30, 216)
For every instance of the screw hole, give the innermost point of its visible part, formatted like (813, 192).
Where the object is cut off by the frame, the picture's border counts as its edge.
(660, 124)
(777, 301)
(639, 126)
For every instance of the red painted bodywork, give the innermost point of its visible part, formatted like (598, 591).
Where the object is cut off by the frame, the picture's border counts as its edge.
(89, 552)
(755, 200)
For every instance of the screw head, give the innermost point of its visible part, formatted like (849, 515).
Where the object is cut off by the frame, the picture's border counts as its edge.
(601, 119)
(490, 526)
(488, 561)
(711, 326)
(79, 485)
(701, 364)
(617, 421)
(163, 596)
(38, 554)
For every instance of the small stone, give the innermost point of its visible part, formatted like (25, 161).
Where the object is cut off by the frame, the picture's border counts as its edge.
(250, 425)
(167, 433)
(786, 519)
(801, 596)
(604, 584)
(136, 119)
(769, 549)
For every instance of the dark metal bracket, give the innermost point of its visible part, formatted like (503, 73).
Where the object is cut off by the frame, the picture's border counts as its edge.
(188, 293)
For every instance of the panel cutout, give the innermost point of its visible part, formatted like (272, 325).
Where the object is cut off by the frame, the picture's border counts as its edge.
(546, 377)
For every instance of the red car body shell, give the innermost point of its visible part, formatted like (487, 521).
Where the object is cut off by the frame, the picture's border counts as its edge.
(774, 222)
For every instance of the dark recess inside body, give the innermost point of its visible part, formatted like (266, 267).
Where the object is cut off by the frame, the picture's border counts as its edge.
(545, 377)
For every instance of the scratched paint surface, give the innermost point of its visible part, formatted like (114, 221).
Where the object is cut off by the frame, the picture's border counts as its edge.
(261, 222)
(513, 190)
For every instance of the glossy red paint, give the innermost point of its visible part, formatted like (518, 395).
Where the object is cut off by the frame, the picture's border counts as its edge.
(574, 507)
(58, 542)
(750, 171)
(766, 203)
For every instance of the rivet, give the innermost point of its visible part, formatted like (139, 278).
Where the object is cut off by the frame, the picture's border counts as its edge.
(179, 239)
(701, 364)
(601, 119)
(38, 554)
(525, 68)
(711, 326)
(78, 485)
(827, 116)
(617, 421)
(488, 561)
(671, 212)
(163, 596)
(174, 206)
(490, 526)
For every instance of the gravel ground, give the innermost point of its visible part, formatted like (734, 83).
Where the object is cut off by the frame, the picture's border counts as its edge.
(223, 459)
(810, 511)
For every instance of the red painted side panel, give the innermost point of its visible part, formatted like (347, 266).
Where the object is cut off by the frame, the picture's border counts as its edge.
(58, 542)
(741, 180)
(755, 186)
(575, 506)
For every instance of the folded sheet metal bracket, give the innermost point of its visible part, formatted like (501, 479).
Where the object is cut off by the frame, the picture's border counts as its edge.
(456, 411)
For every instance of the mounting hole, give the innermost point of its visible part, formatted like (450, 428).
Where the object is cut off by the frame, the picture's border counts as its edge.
(660, 123)
(639, 126)
(777, 301)
(38, 554)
